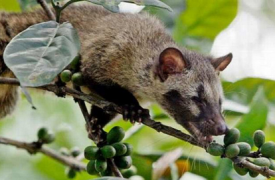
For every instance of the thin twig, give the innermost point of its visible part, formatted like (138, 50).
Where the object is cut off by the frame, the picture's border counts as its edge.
(32, 149)
(114, 168)
(59, 9)
(86, 115)
(47, 9)
(83, 109)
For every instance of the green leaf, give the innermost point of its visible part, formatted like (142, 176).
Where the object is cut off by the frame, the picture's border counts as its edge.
(38, 54)
(256, 118)
(205, 18)
(10, 5)
(112, 5)
(223, 170)
(244, 90)
(204, 167)
(167, 17)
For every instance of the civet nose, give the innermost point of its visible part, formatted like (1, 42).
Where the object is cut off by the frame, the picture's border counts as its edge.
(221, 129)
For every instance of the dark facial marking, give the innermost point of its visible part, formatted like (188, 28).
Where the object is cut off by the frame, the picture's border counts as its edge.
(174, 100)
(199, 100)
(176, 103)
(200, 91)
(173, 96)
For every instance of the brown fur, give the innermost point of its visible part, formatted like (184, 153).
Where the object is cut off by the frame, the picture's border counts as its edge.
(124, 49)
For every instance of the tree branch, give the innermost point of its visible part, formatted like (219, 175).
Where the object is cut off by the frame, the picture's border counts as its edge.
(265, 171)
(109, 107)
(47, 9)
(148, 122)
(32, 149)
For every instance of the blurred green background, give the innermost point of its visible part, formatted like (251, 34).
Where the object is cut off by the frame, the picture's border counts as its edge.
(249, 106)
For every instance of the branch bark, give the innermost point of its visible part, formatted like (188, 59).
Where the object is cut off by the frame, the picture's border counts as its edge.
(265, 171)
(32, 149)
(47, 9)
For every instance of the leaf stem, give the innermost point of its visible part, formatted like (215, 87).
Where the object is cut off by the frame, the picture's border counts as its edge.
(68, 3)
(58, 9)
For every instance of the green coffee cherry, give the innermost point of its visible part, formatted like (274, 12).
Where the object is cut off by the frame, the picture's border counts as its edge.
(232, 136)
(268, 150)
(108, 151)
(245, 148)
(75, 63)
(127, 173)
(91, 168)
(259, 138)
(262, 162)
(129, 149)
(49, 138)
(100, 165)
(232, 150)
(77, 79)
(91, 152)
(75, 151)
(71, 173)
(66, 76)
(116, 134)
(253, 173)
(123, 162)
(45, 136)
(107, 172)
(121, 149)
(215, 149)
(42, 133)
(240, 171)
(64, 152)
(272, 165)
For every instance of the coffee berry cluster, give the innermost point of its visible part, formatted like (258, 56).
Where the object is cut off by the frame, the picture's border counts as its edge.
(264, 157)
(114, 148)
(72, 74)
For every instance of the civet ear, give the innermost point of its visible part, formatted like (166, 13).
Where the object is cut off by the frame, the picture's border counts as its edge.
(222, 62)
(171, 61)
